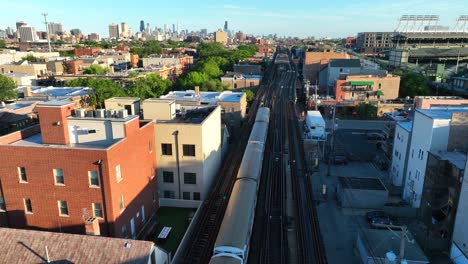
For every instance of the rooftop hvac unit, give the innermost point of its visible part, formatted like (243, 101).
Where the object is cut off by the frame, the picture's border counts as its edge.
(110, 113)
(122, 113)
(90, 113)
(100, 113)
(80, 113)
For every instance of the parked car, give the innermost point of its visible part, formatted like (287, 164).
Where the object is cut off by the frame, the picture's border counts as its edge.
(380, 219)
(338, 159)
(375, 136)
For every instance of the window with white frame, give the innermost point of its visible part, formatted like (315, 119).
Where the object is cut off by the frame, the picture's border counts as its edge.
(118, 173)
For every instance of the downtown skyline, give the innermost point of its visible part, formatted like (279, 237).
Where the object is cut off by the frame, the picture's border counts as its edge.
(335, 18)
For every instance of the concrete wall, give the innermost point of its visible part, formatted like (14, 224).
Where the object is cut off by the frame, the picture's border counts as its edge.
(315, 61)
(120, 103)
(458, 132)
(158, 109)
(211, 140)
(106, 131)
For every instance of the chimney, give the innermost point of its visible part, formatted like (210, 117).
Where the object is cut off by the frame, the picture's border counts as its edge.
(197, 90)
(92, 227)
(27, 91)
(53, 121)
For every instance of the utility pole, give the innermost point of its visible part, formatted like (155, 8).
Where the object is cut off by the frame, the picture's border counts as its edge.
(47, 29)
(330, 152)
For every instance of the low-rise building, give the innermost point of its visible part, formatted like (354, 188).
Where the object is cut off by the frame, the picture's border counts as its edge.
(74, 67)
(78, 95)
(56, 66)
(17, 116)
(188, 151)
(131, 104)
(364, 87)
(315, 61)
(86, 51)
(78, 165)
(336, 68)
(21, 78)
(8, 56)
(236, 80)
(29, 246)
(159, 60)
(233, 104)
(35, 69)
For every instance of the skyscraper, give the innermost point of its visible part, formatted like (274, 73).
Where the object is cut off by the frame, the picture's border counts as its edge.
(114, 31)
(226, 26)
(19, 24)
(55, 28)
(124, 30)
(173, 28)
(142, 26)
(27, 33)
(75, 31)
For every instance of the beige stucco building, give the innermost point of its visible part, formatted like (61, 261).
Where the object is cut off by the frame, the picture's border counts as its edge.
(188, 151)
(234, 80)
(131, 104)
(36, 69)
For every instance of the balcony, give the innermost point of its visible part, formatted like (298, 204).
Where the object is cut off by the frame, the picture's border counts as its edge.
(358, 86)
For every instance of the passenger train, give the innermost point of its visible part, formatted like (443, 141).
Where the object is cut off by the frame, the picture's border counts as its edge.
(232, 242)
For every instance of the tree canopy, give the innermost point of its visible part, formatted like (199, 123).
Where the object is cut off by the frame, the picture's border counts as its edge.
(146, 48)
(95, 69)
(7, 88)
(2, 44)
(366, 110)
(30, 58)
(150, 86)
(413, 84)
(102, 89)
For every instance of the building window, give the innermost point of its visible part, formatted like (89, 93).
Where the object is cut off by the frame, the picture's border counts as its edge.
(22, 174)
(27, 206)
(97, 209)
(186, 195)
(58, 175)
(190, 178)
(2, 204)
(118, 173)
(166, 149)
(169, 194)
(121, 203)
(124, 231)
(168, 177)
(189, 150)
(93, 178)
(63, 208)
(380, 86)
(196, 196)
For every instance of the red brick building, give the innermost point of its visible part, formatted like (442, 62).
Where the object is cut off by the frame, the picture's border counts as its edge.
(57, 175)
(86, 51)
(74, 66)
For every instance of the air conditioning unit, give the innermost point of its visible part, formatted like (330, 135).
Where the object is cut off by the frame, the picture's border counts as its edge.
(122, 113)
(80, 113)
(110, 113)
(90, 113)
(100, 113)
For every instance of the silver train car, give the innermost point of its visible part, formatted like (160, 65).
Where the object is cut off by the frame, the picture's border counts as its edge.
(232, 242)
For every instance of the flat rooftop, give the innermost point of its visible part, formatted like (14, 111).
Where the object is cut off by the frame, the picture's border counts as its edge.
(120, 99)
(204, 97)
(442, 112)
(455, 157)
(408, 126)
(193, 116)
(361, 183)
(28, 246)
(58, 91)
(16, 106)
(36, 141)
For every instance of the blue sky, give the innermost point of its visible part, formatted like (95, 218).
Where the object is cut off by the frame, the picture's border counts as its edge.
(332, 18)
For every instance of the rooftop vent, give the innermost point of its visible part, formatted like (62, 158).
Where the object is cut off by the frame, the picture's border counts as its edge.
(100, 113)
(90, 113)
(123, 113)
(80, 113)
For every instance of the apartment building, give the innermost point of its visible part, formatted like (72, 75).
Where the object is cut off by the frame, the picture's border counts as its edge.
(365, 87)
(221, 37)
(431, 130)
(131, 104)
(374, 42)
(236, 80)
(337, 67)
(173, 59)
(233, 104)
(188, 151)
(401, 142)
(78, 165)
(315, 61)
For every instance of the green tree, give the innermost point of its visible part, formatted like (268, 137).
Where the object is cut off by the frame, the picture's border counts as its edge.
(211, 68)
(102, 89)
(366, 110)
(67, 53)
(2, 44)
(150, 86)
(30, 58)
(249, 96)
(96, 69)
(413, 84)
(222, 62)
(212, 85)
(7, 88)
(192, 79)
(205, 50)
